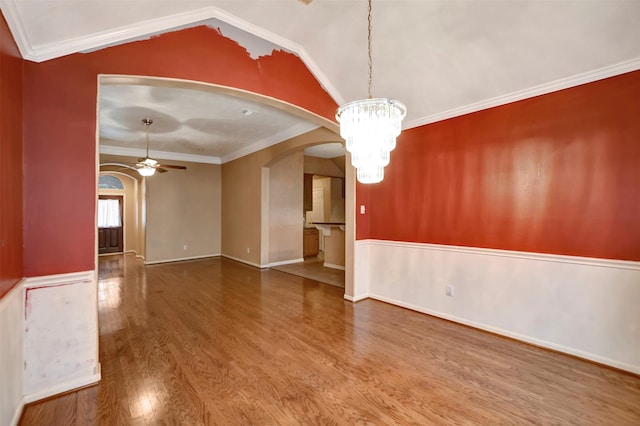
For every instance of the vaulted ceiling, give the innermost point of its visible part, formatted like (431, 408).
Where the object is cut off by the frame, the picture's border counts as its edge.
(442, 58)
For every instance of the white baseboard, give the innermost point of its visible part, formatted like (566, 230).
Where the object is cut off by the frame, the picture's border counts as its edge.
(585, 307)
(512, 335)
(355, 299)
(62, 387)
(286, 262)
(237, 259)
(333, 266)
(180, 259)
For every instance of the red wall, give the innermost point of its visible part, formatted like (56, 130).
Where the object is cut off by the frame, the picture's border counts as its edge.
(11, 255)
(60, 112)
(558, 173)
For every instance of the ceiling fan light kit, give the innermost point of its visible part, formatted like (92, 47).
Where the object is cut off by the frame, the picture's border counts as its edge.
(370, 128)
(146, 171)
(147, 166)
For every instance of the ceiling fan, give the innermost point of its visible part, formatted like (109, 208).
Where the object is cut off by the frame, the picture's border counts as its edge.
(147, 166)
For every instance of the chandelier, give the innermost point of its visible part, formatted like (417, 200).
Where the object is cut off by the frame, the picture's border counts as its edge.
(370, 128)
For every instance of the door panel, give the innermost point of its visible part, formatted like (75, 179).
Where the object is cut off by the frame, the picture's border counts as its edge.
(110, 239)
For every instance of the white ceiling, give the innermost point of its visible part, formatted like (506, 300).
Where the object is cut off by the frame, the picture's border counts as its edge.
(189, 124)
(440, 57)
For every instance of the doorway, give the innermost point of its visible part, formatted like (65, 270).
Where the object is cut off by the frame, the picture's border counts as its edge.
(110, 224)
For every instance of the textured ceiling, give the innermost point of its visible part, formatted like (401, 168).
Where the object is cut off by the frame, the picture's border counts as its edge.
(192, 122)
(440, 57)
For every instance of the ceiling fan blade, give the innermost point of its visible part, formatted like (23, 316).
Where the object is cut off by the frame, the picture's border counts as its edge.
(161, 170)
(169, 166)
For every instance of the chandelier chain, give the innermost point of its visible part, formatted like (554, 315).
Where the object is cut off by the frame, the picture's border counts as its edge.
(369, 49)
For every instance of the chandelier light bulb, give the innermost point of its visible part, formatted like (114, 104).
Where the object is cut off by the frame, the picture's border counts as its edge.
(370, 127)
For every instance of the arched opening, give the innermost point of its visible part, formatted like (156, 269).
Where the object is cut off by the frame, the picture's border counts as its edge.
(114, 185)
(244, 195)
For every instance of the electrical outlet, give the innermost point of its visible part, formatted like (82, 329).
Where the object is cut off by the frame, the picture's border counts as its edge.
(184, 247)
(449, 290)
(248, 250)
(363, 209)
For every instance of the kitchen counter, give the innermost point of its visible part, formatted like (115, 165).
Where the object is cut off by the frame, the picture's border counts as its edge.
(333, 233)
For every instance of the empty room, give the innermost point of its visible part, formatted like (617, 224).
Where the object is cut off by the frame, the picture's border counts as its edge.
(319, 212)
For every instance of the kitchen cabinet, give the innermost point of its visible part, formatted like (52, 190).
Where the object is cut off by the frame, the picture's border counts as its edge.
(311, 242)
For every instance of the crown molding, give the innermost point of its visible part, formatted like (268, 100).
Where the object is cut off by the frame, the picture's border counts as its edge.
(286, 134)
(164, 24)
(12, 16)
(160, 155)
(553, 86)
(153, 26)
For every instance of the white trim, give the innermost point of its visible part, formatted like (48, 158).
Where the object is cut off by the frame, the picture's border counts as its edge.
(355, 299)
(181, 259)
(184, 19)
(161, 155)
(12, 16)
(18, 413)
(577, 260)
(63, 387)
(154, 26)
(237, 259)
(52, 280)
(284, 135)
(516, 336)
(16, 292)
(334, 266)
(11, 293)
(110, 254)
(286, 262)
(553, 86)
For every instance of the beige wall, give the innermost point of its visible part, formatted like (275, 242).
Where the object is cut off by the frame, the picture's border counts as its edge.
(336, 213)
(285, 208)
(242, 196)
(333, 209)
(241, 208)
(142, 220)
(324, 166)
(183, 209)
(334, 249)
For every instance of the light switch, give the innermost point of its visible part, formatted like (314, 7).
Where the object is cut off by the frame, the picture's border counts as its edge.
(362, 209)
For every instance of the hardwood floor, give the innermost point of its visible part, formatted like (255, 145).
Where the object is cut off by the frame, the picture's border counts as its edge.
(313, 268)
(217, 342)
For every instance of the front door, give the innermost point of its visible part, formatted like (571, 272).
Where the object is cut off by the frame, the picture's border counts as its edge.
(110, 224)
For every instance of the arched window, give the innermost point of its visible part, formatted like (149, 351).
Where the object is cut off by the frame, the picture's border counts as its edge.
(109, 182)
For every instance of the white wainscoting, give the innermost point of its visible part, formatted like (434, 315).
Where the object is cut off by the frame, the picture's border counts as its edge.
(11, 355)
(581, 306)
(60, 334)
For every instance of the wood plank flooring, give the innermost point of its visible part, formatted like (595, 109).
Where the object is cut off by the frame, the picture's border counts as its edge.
(313, 268)
(217, 342)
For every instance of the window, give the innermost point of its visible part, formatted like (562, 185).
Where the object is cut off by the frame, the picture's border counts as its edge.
(109, 182)
(109, 214)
